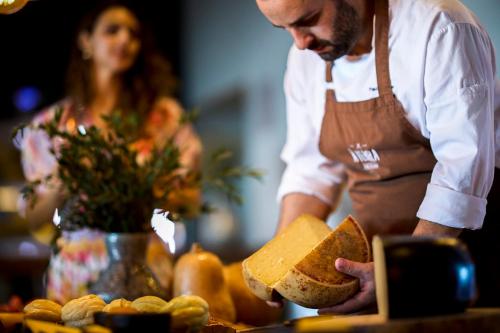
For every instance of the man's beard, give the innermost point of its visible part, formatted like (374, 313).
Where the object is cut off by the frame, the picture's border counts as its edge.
(346, 27)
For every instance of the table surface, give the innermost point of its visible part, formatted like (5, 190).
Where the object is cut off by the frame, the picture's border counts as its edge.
(472, 321)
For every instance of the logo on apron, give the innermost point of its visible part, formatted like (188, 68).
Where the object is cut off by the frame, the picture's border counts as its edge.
(368, 157)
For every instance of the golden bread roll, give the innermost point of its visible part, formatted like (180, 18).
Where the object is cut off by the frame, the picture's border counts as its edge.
(188, 311)
(123, 310)
(151, 304)
(43, 309)
(117, 303)
(80, 312)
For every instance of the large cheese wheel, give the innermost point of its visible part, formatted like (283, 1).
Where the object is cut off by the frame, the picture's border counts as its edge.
(299, 263)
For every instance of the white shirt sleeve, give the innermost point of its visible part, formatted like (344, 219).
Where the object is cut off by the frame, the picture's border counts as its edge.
(307, 170)
(459, 83)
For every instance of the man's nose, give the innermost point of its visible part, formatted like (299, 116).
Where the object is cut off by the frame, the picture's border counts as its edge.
(301, 38)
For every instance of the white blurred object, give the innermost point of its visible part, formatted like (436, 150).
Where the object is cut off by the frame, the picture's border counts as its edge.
(297, 311)
(164, 227)
(57, 218)
(82, 130)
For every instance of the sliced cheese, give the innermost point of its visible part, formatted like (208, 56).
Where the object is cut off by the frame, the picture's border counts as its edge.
(299, 263)
(263, 269)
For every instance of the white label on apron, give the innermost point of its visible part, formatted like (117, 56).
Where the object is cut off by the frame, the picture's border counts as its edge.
(368, 157)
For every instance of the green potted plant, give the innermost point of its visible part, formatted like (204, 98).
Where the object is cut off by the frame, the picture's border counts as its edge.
(113, 181)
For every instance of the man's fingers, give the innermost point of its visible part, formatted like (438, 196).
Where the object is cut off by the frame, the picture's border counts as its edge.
(365, 297)
(353, 268)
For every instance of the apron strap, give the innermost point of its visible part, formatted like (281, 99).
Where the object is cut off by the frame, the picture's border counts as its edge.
(329, 67)
(330, 93)
(381, 50)
(382, 47)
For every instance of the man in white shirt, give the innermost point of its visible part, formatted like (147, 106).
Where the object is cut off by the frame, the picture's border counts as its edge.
(396, 99)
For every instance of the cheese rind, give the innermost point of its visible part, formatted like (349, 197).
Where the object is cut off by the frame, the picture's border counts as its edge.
(347, 241)
(314, 282)
(308, 276)
(303, 290)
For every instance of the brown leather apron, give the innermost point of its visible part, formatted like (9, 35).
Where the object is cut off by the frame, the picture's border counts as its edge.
(388, 162)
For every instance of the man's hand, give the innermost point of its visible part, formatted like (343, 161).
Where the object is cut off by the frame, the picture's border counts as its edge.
(365, 297)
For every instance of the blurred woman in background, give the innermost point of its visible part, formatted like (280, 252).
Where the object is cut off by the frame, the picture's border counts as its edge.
(113, 67)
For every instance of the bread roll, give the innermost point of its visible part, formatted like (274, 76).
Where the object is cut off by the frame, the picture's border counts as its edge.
(150, 304)
(117, 303)
(80, 312)
(43, 309)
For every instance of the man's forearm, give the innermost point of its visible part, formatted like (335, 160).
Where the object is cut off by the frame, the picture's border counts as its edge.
(295, 204)
(427, 228)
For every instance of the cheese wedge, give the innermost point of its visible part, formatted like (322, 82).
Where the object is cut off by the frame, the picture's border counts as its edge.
(299, 263)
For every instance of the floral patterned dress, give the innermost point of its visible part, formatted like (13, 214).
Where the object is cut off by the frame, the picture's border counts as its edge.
(81, 255)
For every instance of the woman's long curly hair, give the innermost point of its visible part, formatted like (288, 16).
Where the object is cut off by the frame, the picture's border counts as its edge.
(149, 78)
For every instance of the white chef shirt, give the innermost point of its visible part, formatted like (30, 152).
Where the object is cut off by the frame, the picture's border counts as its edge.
(442, 67)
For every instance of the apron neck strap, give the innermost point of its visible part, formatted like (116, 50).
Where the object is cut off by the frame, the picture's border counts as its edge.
(329, 67)
(382, 47)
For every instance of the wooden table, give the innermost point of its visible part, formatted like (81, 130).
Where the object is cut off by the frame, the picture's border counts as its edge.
(473, 321)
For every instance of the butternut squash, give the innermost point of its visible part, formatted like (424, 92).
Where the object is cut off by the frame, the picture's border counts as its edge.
(249, 308)
(200, 273)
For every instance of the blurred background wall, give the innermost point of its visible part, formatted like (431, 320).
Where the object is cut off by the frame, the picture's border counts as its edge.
(232, 68)
(230, 62)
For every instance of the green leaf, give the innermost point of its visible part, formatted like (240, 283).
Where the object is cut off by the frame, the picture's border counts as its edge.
(221, 154)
